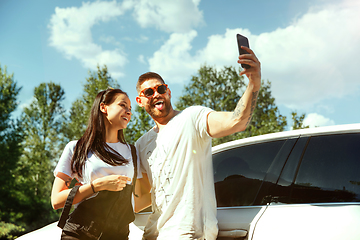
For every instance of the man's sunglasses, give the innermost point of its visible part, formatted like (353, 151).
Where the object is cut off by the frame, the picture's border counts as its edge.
(149, 92)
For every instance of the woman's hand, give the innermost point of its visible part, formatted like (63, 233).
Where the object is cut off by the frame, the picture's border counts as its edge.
(60, 189)
(110, 183)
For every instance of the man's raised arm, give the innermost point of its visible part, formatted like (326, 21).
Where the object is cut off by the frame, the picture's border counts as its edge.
(222, 124)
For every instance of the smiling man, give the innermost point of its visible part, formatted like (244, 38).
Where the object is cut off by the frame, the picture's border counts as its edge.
(176, 155)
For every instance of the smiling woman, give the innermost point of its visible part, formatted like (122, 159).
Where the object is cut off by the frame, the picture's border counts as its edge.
(106, 168)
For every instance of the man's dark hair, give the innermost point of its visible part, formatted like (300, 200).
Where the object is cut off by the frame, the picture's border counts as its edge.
(147, 76)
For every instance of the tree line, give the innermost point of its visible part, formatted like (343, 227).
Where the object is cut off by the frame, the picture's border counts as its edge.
(31, 144)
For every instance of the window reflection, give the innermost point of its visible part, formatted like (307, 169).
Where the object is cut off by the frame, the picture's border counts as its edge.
(330, 170)
(239, 172)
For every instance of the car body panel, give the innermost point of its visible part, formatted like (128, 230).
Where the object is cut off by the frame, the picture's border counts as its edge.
(309, 221)
(237, 220)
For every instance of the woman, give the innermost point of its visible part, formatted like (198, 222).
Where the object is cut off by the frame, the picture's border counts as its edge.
(100, 160)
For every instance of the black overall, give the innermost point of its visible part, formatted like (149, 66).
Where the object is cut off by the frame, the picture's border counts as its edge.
(106, 216)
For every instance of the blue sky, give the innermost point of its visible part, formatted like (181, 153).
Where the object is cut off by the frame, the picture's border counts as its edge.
(309, 50)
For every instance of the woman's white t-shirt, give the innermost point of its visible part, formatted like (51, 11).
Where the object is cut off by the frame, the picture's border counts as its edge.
(96, 168)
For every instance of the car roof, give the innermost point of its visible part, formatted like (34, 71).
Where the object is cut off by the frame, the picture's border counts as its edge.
(335, 129)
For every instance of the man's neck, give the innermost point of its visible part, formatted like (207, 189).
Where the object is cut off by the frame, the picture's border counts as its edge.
(161, 122)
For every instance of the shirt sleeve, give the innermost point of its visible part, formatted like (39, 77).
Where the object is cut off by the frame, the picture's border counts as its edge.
(199, 115)
(64, 164)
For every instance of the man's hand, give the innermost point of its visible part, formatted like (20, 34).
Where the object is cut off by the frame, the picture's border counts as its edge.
(254, 72)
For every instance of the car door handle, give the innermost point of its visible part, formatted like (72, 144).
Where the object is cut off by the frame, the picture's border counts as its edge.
(232, 233)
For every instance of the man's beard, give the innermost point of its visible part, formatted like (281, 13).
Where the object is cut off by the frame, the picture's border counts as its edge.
(156, 113)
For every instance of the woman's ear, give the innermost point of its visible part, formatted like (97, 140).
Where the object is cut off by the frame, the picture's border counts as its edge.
(103, 108)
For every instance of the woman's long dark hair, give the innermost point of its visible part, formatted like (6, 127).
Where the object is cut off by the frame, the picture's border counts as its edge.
(94, 139)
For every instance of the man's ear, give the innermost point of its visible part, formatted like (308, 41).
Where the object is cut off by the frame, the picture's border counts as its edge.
(103, 108)
(138, 100)
(169, 92)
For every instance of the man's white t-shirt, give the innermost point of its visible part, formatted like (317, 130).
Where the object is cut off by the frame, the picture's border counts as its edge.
(178, 162)
(94, 167)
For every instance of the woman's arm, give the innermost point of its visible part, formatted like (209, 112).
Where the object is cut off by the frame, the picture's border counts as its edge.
(61, 188)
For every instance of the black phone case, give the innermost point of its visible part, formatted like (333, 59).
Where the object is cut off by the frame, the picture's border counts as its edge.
(242, 41)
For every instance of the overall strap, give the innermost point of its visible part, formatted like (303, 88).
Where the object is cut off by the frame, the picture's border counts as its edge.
(134, 157)
(67, 207)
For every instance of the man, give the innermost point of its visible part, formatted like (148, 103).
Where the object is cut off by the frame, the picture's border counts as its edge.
(176, 155)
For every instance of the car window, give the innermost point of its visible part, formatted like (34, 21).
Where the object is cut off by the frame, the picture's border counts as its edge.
(239, 172)
(289, 171)
(329, 170)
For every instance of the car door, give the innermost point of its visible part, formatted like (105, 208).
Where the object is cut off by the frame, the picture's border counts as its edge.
(318, 193)
(239, 174)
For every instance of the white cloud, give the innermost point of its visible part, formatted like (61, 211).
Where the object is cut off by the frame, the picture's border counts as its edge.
(169, 16)
(173, 61)
(70, 28)
(70, 33)
(311, 60)
(141, 59)
(222, 50)
(110, 40)
(143, 38)
(317, 120)
(26, 103)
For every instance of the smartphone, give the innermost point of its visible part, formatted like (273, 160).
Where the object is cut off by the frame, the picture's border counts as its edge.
(242, 41)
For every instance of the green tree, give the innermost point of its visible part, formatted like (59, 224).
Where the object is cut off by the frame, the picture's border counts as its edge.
(76, 123)
(10, 231)
(140, 123)
(298, 121)
(221, 90)
(217, 89)
(10, 148)
(41, 123)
